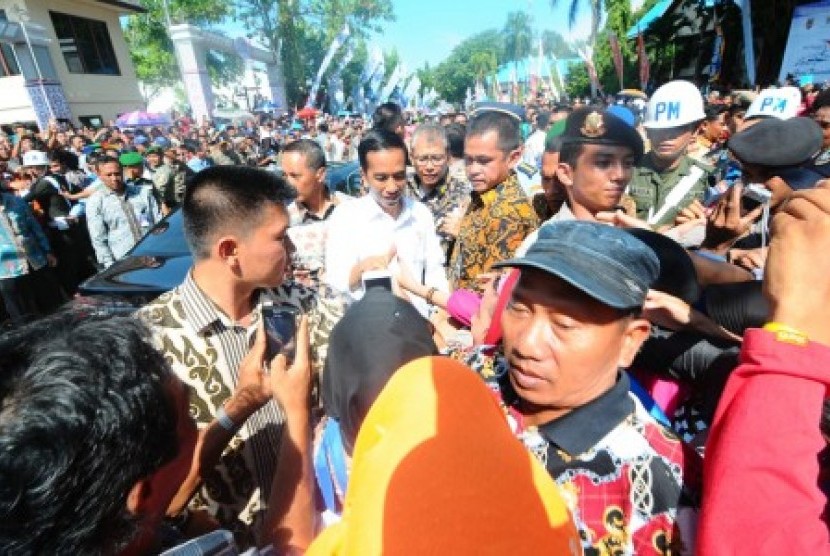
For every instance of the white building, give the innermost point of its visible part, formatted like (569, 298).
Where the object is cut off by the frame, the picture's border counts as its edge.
(65, 59)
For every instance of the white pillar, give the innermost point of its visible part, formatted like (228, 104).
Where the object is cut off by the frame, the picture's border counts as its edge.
(276, 82)
(191, 55)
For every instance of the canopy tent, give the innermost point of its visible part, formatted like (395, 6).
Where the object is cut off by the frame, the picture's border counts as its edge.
(657, 11)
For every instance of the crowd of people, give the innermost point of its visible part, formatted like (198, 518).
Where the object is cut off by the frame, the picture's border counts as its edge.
(570, 328)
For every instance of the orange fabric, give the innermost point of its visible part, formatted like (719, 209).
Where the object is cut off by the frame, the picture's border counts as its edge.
(436, 470)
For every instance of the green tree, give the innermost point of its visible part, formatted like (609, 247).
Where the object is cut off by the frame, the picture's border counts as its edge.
(299, 32)
(152, 50)
(465, 64)
(518, 36)
(554, 43)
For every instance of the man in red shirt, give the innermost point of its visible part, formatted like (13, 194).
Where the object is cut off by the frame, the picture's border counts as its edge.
(762, 461)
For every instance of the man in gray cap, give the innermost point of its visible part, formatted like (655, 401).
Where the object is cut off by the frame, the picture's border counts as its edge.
(573, 323)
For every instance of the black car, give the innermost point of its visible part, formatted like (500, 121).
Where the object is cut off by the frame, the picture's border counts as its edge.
(160, 261)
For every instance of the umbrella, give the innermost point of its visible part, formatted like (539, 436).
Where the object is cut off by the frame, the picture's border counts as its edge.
(307, 113)
(139, 119)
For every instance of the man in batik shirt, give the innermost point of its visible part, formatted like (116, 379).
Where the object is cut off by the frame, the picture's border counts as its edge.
(500, 214)
(235, 223)
(572, 323)
(445, 195)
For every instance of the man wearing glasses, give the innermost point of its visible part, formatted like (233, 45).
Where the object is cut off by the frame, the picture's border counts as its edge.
(447, 196)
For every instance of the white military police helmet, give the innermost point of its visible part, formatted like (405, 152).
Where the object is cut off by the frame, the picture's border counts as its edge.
(780, 103)
(674, 104)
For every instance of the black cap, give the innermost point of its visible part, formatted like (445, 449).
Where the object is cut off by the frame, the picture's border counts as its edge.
(774, 143)
(606, 263)
(598, 127)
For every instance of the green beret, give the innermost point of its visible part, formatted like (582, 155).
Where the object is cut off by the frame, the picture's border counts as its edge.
(131, 159)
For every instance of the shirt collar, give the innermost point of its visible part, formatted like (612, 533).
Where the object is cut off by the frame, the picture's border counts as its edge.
(438, 188)
(576, 432)
(203, 313)
(373, 209)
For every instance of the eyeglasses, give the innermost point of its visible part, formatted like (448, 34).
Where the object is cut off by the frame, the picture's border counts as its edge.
(427, 158)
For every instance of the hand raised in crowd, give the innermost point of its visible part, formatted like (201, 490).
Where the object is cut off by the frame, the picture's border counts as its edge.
(695, 212)
(452, 223)
(796, 280)
(290, 382)
(620, 219)
(726, 224)
(253, 387)
(750, 259)
(673, 313)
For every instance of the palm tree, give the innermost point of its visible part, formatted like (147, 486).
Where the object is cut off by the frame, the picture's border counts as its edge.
(518, 37)
(595, 7)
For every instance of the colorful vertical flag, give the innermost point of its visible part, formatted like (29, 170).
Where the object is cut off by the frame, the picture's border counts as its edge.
(645, 66)
(717, 55)
(335, 45)
(616, 53)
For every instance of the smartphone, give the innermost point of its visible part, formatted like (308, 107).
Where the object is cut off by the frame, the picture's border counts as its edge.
(281, 328)
(755, 194)
(377, 279)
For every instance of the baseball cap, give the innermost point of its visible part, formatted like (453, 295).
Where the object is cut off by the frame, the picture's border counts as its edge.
(606, 263)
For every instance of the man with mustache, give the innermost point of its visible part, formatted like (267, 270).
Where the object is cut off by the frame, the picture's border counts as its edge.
(668, 179)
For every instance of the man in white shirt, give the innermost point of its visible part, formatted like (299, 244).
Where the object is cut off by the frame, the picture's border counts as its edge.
(386, 227)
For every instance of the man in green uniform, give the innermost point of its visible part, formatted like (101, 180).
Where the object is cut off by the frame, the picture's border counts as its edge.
(668, 179)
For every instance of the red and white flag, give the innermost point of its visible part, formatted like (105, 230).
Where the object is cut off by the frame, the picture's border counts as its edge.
(616, 53)
(645, 66)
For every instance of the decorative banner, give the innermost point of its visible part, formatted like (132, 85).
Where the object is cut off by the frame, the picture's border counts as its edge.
(514, 80)
(807, 56)
(645, 66)
(412, 89)
(586, 52)
(717, 55)
(336, 96)
(375, 82)
(397, 74)
(616, 52)
(749, 43)
(338, 41)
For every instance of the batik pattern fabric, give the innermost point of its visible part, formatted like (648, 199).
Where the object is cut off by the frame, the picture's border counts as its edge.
(450, 195)
(205, 348)
(630, 483)
(493, 227)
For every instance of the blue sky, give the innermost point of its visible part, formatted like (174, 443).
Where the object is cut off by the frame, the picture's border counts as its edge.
(427, 30)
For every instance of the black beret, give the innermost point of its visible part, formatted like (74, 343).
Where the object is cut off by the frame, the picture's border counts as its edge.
(773, 142)
(597, 126)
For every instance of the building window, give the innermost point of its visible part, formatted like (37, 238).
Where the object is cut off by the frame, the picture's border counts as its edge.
(8, 61)
(85, 44)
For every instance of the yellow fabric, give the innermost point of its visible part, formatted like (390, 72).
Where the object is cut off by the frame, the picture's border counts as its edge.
(436, 470)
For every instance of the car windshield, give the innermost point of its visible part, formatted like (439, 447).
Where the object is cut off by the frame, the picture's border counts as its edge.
(167, 238)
